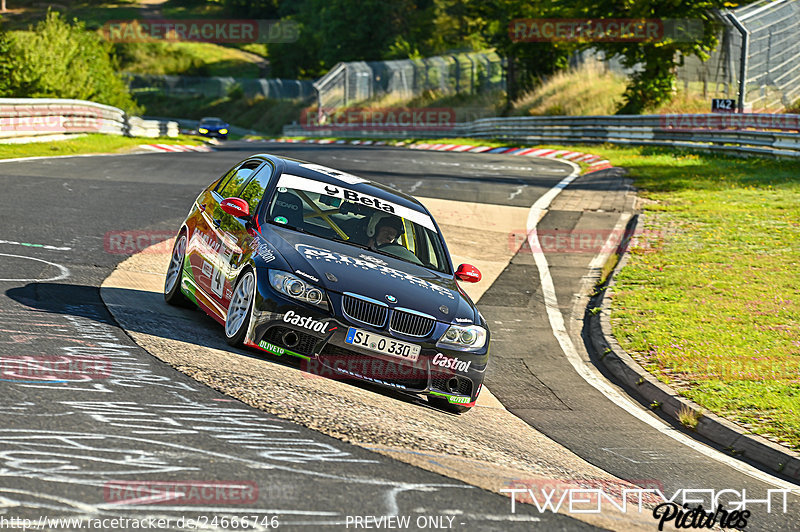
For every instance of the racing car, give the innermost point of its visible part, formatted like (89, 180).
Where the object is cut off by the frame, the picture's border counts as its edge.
(348, 275)
(213, 127)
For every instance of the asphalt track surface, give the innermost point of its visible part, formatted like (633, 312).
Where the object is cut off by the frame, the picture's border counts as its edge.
(61, 444)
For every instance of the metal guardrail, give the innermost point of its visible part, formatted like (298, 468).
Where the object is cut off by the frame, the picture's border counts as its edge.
(28, 118)
(757, 134)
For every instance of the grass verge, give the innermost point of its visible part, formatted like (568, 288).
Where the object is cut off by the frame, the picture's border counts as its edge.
(85, 145)
(709, 300)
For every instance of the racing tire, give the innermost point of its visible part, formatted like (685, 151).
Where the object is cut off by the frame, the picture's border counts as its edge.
(240, 310)
(172, 283)
(443, 404)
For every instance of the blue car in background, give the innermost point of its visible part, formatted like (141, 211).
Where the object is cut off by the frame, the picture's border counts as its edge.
(213, 127)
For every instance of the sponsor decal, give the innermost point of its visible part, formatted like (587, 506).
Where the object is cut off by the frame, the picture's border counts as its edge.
(285, 205)
(464, 320)
(318, 187)
(271, 348)
(306, 275)
(281, 220)
(355, 197)
(451, 363)
(376, 260)
(186, 492)
(264, 251)
(312, 252)
(207, 268)
(455, 399)
(307, 322)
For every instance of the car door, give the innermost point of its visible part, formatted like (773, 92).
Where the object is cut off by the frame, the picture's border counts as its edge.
(205, 244)
(231, 235)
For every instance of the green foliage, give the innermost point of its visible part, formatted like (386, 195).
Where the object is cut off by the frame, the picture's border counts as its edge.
(654, 83)
(5, 64)
(527, 62)
(62, 60)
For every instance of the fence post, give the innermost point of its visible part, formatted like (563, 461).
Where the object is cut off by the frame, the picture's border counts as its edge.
(743, 58)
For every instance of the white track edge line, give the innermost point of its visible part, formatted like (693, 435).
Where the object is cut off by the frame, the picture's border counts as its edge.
(590, 374)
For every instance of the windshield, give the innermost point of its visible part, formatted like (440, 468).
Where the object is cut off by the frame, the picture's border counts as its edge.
(367, 222)
(212, 122)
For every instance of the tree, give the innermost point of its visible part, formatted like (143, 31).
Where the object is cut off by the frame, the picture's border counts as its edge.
(62, 60)
(654, 62)
(527, 62)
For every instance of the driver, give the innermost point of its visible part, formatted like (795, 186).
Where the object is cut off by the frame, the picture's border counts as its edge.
(384, 229)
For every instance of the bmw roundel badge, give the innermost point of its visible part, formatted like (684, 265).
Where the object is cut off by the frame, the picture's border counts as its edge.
(390, 298)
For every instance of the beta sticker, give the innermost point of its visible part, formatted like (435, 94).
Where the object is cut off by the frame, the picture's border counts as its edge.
(281, 220)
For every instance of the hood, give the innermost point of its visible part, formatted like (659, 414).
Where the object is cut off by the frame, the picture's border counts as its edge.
(374, 275)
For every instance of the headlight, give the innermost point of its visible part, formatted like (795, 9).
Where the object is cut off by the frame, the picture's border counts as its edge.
(203, 130)
(463, 338)
(293, 286)
(223, 131)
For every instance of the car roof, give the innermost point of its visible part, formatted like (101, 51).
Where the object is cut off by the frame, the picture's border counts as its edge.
(372, 188)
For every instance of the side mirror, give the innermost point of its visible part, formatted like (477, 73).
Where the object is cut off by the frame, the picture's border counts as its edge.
(235, 207)
(468, 273)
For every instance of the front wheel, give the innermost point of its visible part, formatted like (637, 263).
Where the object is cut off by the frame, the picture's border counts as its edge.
(172, 284)
(240, 309)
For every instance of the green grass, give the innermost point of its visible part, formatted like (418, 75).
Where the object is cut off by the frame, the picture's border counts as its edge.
(186, 59)
(84, 145)
(709, 301)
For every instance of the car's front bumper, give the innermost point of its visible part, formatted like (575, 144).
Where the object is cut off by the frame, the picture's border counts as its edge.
(325, 352)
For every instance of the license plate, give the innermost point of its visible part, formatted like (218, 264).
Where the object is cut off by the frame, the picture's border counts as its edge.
(383, 345)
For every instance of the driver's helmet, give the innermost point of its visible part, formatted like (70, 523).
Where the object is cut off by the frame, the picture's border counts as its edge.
(382, 219)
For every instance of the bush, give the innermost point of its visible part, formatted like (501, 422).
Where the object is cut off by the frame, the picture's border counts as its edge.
(57, 59)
